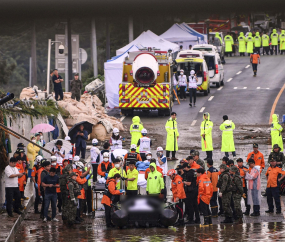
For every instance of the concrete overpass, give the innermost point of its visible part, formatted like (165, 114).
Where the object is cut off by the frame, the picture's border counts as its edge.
(90, 8)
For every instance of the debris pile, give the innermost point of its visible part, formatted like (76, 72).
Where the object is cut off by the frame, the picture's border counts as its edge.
(88, 109)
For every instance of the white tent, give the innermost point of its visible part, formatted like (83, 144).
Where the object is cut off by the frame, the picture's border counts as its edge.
(202, 37)
(113, 73)
(179, 36)
(149, 39)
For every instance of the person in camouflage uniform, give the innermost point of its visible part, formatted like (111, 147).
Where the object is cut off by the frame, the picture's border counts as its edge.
(196, 158)
(72, 200)
(63, 179)
(277, 155)
(237, 192)
(75, 87)
(224, 184)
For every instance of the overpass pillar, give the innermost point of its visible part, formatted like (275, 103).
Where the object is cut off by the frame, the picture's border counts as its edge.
(94, 47)
(131, 29)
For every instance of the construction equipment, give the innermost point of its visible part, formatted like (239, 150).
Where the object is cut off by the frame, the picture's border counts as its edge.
(146, 82)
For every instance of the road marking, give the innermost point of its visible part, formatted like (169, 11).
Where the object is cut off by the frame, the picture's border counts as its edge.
(220, 88)
(122, 118)
(193, 122)
(267, 88)
(202, 109)
(275, 103)
(235, 87)
(211, 98)
(240, 88)
(239, 72)
(229, 80)
(244, 87)
(247, 66)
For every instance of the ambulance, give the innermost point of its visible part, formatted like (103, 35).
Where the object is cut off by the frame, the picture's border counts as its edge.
(146, 82)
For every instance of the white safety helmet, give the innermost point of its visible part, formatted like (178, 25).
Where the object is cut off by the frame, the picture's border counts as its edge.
(182, 70)
(106, 154)
(76, 158)
(192, 72)
(94, 141)
(133, 146)
(53, 158)
(144, 131)
(38, 159)
(148, 152)
(115, 130)
(121, 158)
(67, 138)
(159, 149)
(79, 164)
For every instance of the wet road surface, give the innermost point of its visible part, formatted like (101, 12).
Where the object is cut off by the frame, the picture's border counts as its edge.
(245, 106)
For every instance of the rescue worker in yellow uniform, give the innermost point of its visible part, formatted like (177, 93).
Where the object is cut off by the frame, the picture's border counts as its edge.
(274, 41)
(241, 44)
(172, 137)
(135, 130)
(218, 39)
(228, 144)
(206, 136)
(228, 44)
(257, 42)
(265, 43)
(282, 42)
(249, 42)
(276, 135)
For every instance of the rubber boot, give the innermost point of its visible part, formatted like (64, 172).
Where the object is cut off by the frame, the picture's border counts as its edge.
(210, 220)
(206, 222)
(214, 211)
(247, 211)
(227, 220)
(180, 222)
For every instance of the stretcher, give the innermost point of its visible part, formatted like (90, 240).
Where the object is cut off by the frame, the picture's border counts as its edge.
(97, 188)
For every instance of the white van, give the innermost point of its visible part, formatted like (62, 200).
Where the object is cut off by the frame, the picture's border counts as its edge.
(215, 68)
(189, 54)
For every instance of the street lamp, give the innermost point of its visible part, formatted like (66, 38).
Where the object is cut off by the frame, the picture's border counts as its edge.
(60, 50)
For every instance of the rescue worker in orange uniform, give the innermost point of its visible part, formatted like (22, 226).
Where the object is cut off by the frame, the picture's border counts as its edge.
(254, 60)
(34, 176)
(131, 156)
(242, 171)
(178, 192)
(147, 171)
(107, 197)
(205, 193)
(257, 156)
(58, 172)
(105, 166)
(213, 175)
(81, 179)
(193, 165)
(21, 180)
(272, 189)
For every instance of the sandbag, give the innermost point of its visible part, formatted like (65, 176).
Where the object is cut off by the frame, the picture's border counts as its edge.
(99, 132)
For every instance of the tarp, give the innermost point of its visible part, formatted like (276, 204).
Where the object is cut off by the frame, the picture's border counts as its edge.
(202, 37)
(149, 39)
(177, 34)
(113, 73)
(180, 36)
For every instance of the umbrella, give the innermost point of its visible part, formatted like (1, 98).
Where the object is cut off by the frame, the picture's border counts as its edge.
(42, 128)
(66, 145)
(87, 126)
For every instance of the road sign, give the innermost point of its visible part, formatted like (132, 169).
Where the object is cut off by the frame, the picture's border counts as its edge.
(60, 65)
(60, 58)
(83, 56)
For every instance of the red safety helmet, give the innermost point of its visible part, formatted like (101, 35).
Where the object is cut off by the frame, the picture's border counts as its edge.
(171, 172)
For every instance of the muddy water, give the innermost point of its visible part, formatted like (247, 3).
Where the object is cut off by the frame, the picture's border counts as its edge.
(246, 232)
